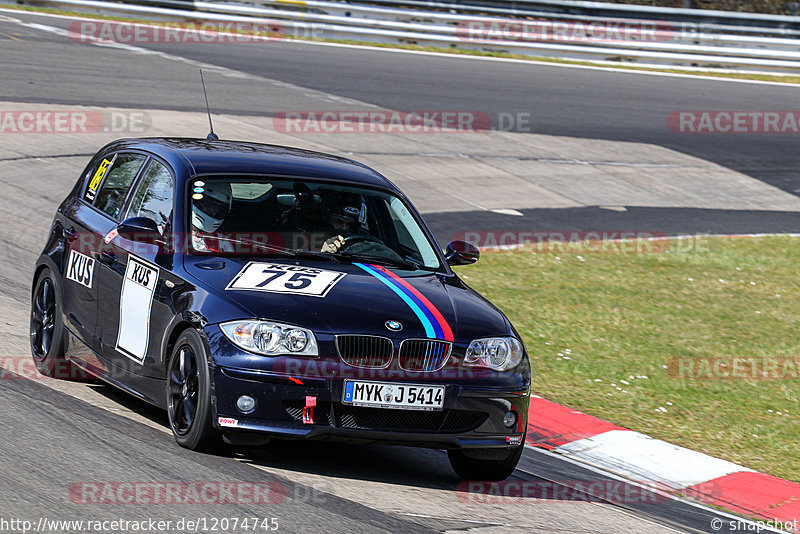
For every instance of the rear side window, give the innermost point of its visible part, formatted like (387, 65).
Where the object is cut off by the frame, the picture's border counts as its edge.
(153, 198)
(111, 181)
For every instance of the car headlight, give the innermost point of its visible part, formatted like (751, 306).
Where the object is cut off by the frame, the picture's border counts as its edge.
(498, 353)
(271, 339)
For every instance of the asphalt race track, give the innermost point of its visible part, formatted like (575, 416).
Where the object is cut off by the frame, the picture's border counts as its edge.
(59, 436)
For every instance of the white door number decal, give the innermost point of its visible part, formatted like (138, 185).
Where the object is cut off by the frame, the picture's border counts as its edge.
(278, 278)
(80, 268)
(136, 300)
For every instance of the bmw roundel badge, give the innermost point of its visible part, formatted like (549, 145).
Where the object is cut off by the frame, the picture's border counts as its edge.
(394, 326)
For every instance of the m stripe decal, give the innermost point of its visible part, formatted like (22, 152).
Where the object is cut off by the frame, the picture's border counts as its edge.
(436, 327)
(447, 332)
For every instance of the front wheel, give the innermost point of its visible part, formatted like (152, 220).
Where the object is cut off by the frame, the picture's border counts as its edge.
(189, 394)
(485, 464)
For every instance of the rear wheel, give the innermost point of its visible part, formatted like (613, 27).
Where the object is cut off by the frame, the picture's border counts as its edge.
(189, 394)
(485, 464)
(47, 331)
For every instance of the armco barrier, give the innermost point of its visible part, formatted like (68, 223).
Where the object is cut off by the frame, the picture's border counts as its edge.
(660, 41)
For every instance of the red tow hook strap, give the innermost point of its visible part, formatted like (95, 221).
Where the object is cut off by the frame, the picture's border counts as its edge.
(308, 411)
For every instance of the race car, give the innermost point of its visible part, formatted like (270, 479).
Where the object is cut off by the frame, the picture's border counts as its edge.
(257, 292)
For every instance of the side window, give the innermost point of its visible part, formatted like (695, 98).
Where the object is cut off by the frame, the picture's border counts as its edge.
(113, 178)
(153, 198)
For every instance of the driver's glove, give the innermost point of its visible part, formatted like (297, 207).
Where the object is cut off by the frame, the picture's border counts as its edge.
(333, 244)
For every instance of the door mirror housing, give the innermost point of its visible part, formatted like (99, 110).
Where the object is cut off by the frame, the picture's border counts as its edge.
(141, 230)
(461, 253)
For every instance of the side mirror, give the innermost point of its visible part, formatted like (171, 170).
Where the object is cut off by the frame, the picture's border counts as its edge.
(461, 253)
(141, 230)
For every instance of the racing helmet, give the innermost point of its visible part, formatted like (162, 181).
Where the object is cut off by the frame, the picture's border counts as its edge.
(345, 206)
(209, 211)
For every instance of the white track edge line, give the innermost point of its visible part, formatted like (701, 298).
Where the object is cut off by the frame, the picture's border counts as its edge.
(610, 474)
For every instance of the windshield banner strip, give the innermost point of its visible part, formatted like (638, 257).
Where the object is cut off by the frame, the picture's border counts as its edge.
(436, 327)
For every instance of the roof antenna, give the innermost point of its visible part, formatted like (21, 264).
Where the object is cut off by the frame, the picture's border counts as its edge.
(211, 136)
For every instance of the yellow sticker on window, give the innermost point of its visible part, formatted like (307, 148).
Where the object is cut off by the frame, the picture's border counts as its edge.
(98, 176)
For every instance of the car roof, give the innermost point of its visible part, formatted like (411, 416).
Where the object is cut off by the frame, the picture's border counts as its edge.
(204, 156)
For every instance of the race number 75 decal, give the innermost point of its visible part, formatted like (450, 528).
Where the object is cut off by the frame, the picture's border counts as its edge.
(279, 278)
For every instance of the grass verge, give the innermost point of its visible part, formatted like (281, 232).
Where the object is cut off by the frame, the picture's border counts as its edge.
(601, 327)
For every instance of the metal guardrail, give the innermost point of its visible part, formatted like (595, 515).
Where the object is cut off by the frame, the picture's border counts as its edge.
(605, 9)
(650, 42)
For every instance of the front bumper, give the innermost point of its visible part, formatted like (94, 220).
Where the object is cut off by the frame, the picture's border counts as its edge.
(475, 401)
(472, 416)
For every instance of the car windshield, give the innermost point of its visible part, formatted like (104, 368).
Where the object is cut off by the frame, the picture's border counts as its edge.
(265, 216)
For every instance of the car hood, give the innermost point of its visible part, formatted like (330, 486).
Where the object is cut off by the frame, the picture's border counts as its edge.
(361, 300)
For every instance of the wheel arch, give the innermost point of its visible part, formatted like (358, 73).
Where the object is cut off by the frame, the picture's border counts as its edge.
(169, 343)
(170, 340)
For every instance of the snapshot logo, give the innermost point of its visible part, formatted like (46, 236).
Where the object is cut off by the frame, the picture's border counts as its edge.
(169, 32)
(733, 368)
(73, 122)
(567, 241)
(734, 122)
(381, 121)
(169, 493)
(528, 492)
(564, 31)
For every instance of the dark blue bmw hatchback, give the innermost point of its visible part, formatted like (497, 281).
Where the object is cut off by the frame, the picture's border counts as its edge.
(258, 292)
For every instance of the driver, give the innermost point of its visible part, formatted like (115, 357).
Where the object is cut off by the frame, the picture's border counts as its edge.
(343, 215)
(208, 213)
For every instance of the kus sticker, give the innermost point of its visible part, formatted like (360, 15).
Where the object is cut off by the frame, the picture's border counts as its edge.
(97, 179)
(80, 268)
(136, 302)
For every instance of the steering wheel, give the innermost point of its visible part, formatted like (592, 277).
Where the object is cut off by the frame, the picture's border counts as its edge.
(356, 239)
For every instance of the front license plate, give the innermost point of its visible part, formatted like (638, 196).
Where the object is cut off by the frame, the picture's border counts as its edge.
(399, 396)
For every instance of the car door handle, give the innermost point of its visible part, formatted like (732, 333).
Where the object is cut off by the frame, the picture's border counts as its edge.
(107, 256)
(70, 234)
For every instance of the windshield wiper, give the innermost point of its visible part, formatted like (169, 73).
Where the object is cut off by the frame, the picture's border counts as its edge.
(327, 256)
(271, 249)
(288, 252)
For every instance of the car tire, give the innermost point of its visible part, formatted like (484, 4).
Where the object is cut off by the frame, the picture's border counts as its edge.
(188, 393)
(484, 464)
(47, 331)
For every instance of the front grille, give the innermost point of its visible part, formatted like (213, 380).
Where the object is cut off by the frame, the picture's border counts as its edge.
(385, 419)
(423, 355)
(388, 420)
(367, 352)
